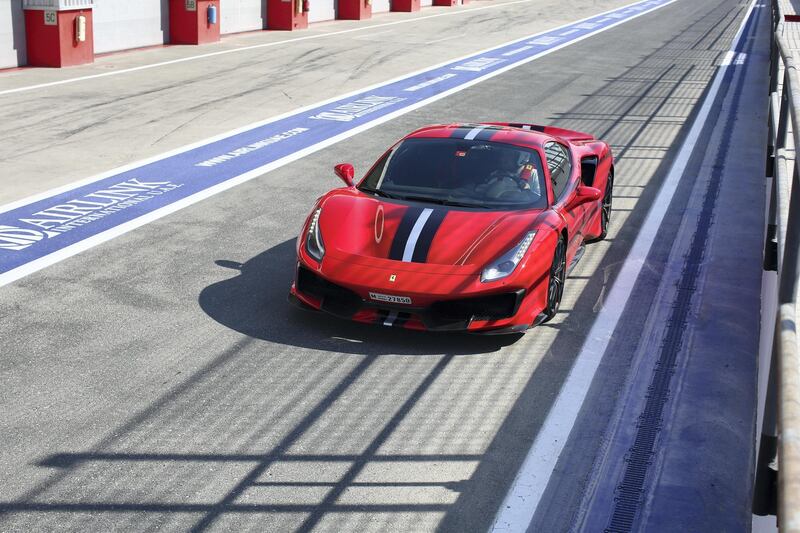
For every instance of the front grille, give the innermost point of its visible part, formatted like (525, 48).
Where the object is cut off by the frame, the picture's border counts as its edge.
(493, 307)
(336, 299)
(442, 315)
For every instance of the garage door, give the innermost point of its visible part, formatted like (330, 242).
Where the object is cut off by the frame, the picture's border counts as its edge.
(123, 25)
(322, 10)
(241, 15)
(380, 6)
(12, 37)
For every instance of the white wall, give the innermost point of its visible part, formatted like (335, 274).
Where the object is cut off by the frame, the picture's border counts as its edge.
(12, 34)
(424, 3)
(241, 15)
(119, 24)
(322, 10)
(380, 6)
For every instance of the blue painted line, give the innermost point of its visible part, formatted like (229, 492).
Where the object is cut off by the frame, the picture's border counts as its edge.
(44, 227)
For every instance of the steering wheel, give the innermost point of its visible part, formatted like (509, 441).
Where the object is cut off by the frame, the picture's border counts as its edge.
(509, 194)
(504, 182)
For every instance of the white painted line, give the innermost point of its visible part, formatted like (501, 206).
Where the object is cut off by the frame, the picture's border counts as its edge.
(91, 242)
(257, 46)
(519, 506)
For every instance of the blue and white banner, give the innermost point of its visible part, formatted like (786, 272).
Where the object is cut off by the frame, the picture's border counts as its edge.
(49, 229)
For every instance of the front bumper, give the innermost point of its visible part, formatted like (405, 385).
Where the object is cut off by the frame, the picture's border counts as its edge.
(497, 310)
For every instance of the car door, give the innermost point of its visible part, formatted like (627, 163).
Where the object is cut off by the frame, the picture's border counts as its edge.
(560, 165)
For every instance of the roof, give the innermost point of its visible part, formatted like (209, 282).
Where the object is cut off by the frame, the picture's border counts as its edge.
(531, 135)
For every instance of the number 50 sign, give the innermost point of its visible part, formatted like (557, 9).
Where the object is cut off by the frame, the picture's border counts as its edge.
(191, 5)
(50, 18)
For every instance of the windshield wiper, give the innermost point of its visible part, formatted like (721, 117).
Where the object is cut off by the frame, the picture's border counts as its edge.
(378, 192)
(442, 201)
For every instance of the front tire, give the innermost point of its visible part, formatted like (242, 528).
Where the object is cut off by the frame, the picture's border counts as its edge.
(558, 275)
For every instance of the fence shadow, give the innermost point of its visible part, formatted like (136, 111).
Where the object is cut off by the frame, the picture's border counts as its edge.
(332, 433)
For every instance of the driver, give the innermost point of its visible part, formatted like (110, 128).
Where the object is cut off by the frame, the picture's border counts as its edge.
(514, 169)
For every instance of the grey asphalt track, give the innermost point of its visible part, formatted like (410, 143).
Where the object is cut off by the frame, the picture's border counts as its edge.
(162, 381)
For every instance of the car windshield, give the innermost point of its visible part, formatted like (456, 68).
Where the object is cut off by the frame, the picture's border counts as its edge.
(459, 172)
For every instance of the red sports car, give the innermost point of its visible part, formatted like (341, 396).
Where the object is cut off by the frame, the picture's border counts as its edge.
(458, 227)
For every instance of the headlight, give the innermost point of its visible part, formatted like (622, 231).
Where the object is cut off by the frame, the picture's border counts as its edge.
(506, 263)
(314, 245)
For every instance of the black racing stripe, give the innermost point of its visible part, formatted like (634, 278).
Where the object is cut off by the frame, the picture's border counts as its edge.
(461, 132)
(486, 134)
(427, 234)
(403, 231)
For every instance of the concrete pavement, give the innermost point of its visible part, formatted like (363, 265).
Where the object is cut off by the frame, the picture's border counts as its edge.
(161, 381)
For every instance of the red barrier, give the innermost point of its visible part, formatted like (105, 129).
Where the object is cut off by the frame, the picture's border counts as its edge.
(58, 33)
(405, 5)
(354, 10)
(190, 23)
(287, 14)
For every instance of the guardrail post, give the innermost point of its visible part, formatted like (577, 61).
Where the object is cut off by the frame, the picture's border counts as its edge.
(770, 167)
(787, 284)
(783, 115)
(771, 238)
(775, 109)
(774, 58)
(765, 489)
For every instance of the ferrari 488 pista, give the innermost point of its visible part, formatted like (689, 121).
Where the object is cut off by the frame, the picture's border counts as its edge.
(457, 227)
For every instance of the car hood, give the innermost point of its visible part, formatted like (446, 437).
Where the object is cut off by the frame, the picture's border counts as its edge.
(372, 231)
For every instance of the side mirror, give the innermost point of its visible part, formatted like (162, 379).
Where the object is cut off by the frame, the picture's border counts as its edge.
(346, 172)
(584, 194)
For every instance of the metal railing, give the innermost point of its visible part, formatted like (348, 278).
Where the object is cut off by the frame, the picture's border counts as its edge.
(777, 486)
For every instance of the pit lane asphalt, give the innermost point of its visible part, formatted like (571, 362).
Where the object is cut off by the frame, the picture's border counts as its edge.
(161, 380)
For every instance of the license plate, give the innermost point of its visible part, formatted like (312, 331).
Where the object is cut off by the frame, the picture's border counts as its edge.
(390, 298)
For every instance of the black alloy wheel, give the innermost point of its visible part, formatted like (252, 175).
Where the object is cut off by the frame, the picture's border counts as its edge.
(605, 213)
(558, 274)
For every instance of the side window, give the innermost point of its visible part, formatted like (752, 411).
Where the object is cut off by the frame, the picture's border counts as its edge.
(559, 165)
(373, 179)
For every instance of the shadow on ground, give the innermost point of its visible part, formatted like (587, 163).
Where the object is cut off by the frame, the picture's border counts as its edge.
(223, 448)
(254, 303)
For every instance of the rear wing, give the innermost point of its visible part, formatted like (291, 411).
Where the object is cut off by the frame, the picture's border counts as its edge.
(570, 135)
